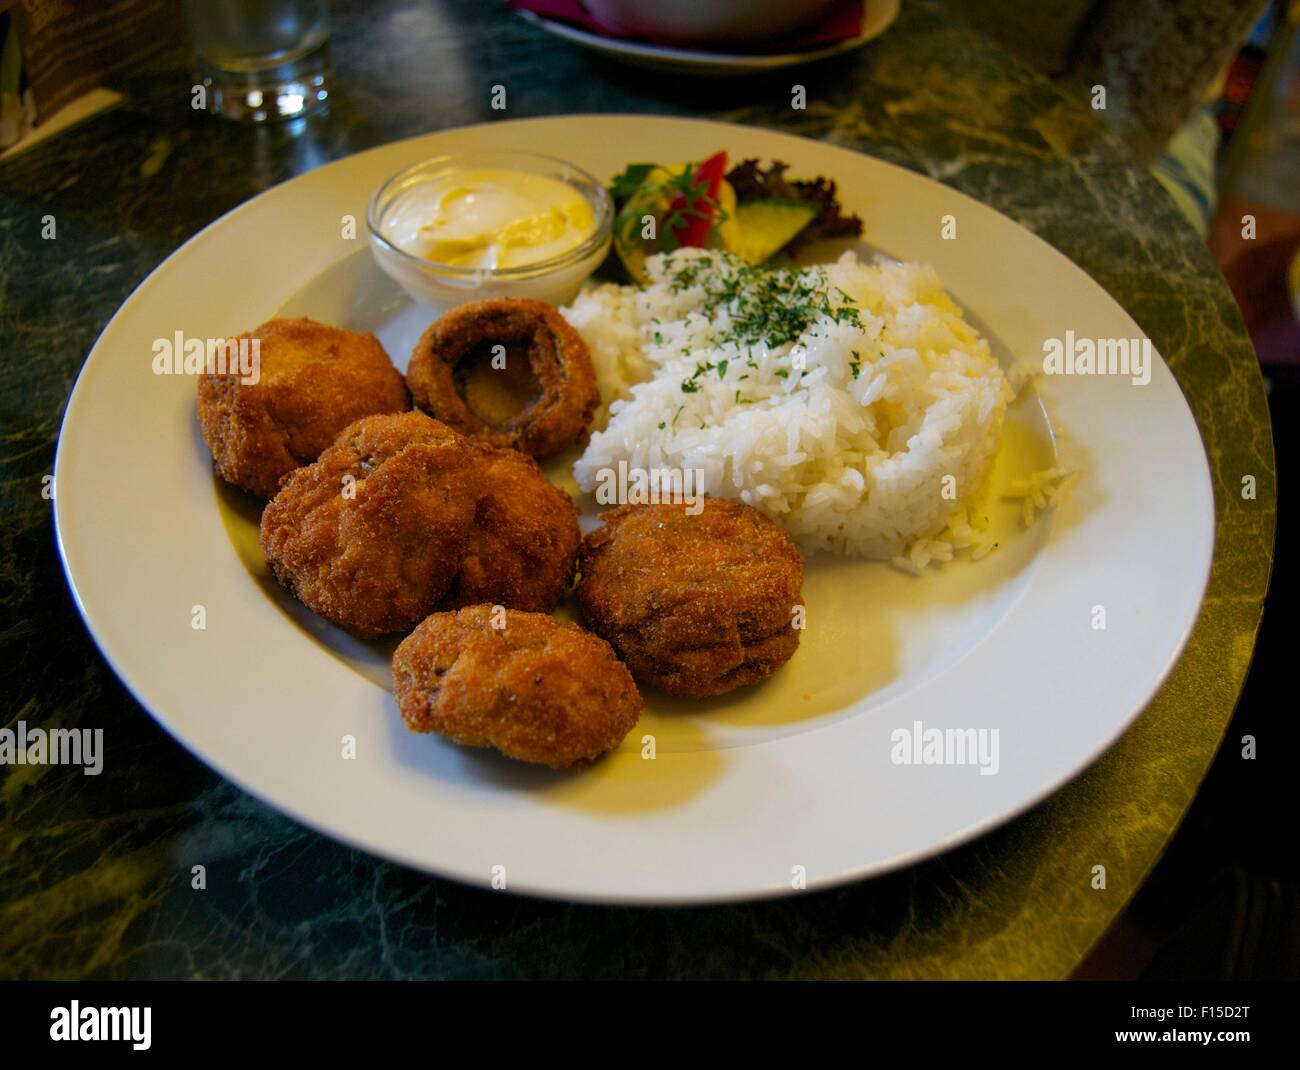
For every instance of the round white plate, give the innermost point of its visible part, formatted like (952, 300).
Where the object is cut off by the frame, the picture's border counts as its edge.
(788, 784)
(877, 16)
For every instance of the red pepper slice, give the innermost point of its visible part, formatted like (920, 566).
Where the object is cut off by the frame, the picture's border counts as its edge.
(707, 182)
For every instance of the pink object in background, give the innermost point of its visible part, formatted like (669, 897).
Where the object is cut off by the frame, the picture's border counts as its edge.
(806, 25)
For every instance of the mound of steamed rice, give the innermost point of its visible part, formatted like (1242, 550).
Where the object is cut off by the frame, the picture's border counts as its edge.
(869, 432)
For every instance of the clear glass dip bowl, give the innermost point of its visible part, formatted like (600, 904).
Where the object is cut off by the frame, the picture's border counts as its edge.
(442, 286)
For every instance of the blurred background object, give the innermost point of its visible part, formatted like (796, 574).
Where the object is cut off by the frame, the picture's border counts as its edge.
(713, 38)
(1157, 59)
(1207, 92)
(261, 60)
(708, 21)
(58, 55)
(1256, 234)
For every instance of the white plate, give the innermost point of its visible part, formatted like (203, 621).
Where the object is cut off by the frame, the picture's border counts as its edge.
(876, 19)
(796, 772)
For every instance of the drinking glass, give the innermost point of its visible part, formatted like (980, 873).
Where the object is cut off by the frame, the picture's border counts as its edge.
(261, 60)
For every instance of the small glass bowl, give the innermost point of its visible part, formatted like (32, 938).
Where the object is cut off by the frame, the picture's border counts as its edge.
(442, 286)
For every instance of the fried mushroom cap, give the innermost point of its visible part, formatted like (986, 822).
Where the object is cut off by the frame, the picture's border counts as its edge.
(312, 381)
(524, 540)
(555, 419)
(695, 605)
(371, 535)
(536, 689)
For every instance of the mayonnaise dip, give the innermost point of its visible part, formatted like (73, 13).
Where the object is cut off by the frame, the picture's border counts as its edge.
(488, 219)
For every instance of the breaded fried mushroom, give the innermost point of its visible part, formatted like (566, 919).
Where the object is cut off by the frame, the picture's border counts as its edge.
(535, 688)
(371, 535)
(695, 605)
(312, 381)
(556, 356)
(524, 539)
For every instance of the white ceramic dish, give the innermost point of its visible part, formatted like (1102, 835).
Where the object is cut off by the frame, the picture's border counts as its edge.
(746, 792)
(441, 286)
(878, 15)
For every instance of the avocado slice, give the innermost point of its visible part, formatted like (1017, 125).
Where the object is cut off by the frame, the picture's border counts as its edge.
(769, 225)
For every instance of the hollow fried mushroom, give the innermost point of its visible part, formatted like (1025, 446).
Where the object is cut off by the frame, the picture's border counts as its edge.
(539, 399)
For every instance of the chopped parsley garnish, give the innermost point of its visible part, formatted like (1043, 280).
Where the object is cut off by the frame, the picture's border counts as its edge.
(691, 385)
(750, 307)
(771, 305)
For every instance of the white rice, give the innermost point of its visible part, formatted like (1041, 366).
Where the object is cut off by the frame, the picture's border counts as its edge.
(853, 464)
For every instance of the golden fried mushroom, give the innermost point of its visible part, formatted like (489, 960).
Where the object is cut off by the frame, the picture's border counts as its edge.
(524, 540)
(555, 367)
(695, 605)
(313, 380)
(535, 688)
(371, 535)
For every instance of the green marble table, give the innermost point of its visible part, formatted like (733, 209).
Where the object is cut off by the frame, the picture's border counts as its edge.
(94, 873)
